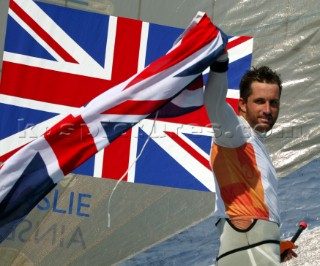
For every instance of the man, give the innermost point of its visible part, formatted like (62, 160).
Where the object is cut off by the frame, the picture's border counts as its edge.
(247, 202)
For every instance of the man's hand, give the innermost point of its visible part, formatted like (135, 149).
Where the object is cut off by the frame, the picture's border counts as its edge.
(221, 64)
(287, 247)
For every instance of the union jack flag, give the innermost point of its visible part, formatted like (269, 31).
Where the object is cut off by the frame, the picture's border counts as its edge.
(54, 63)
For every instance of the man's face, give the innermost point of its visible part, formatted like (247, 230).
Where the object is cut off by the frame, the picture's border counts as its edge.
(262, 107)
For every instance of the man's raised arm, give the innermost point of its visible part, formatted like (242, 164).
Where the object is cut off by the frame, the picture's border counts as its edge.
(225, 122)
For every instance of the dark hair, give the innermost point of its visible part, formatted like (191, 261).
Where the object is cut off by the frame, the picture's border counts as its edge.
(262, 74)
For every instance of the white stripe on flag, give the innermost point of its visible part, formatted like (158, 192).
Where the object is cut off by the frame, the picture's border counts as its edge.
(98, 164)
(143, 46)
(25, 136)
(133, 151)
(111, 39)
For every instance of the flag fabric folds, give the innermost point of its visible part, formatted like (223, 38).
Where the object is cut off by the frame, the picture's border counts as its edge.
(29, 174)
(40, 85)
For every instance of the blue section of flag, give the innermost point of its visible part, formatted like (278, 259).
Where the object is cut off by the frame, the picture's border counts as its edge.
(115, 129)
(204, 142)
(71, 20)
(160, 41)
(14, 119)
(201, 65)
(237, 70)
(156, 167)
(32, 186)
(87, 168)
(21, 42)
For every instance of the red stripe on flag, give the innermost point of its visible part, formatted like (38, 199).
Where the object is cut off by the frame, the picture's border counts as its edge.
(126, 51)
(134, 107)
(196, 84)
(50, 86)
(204, 161)
(237, 41)
(41, 32)
(125, 64)
(71, 142)
(116, 157)
(198, 117)
(195, 39)
(6, 156)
